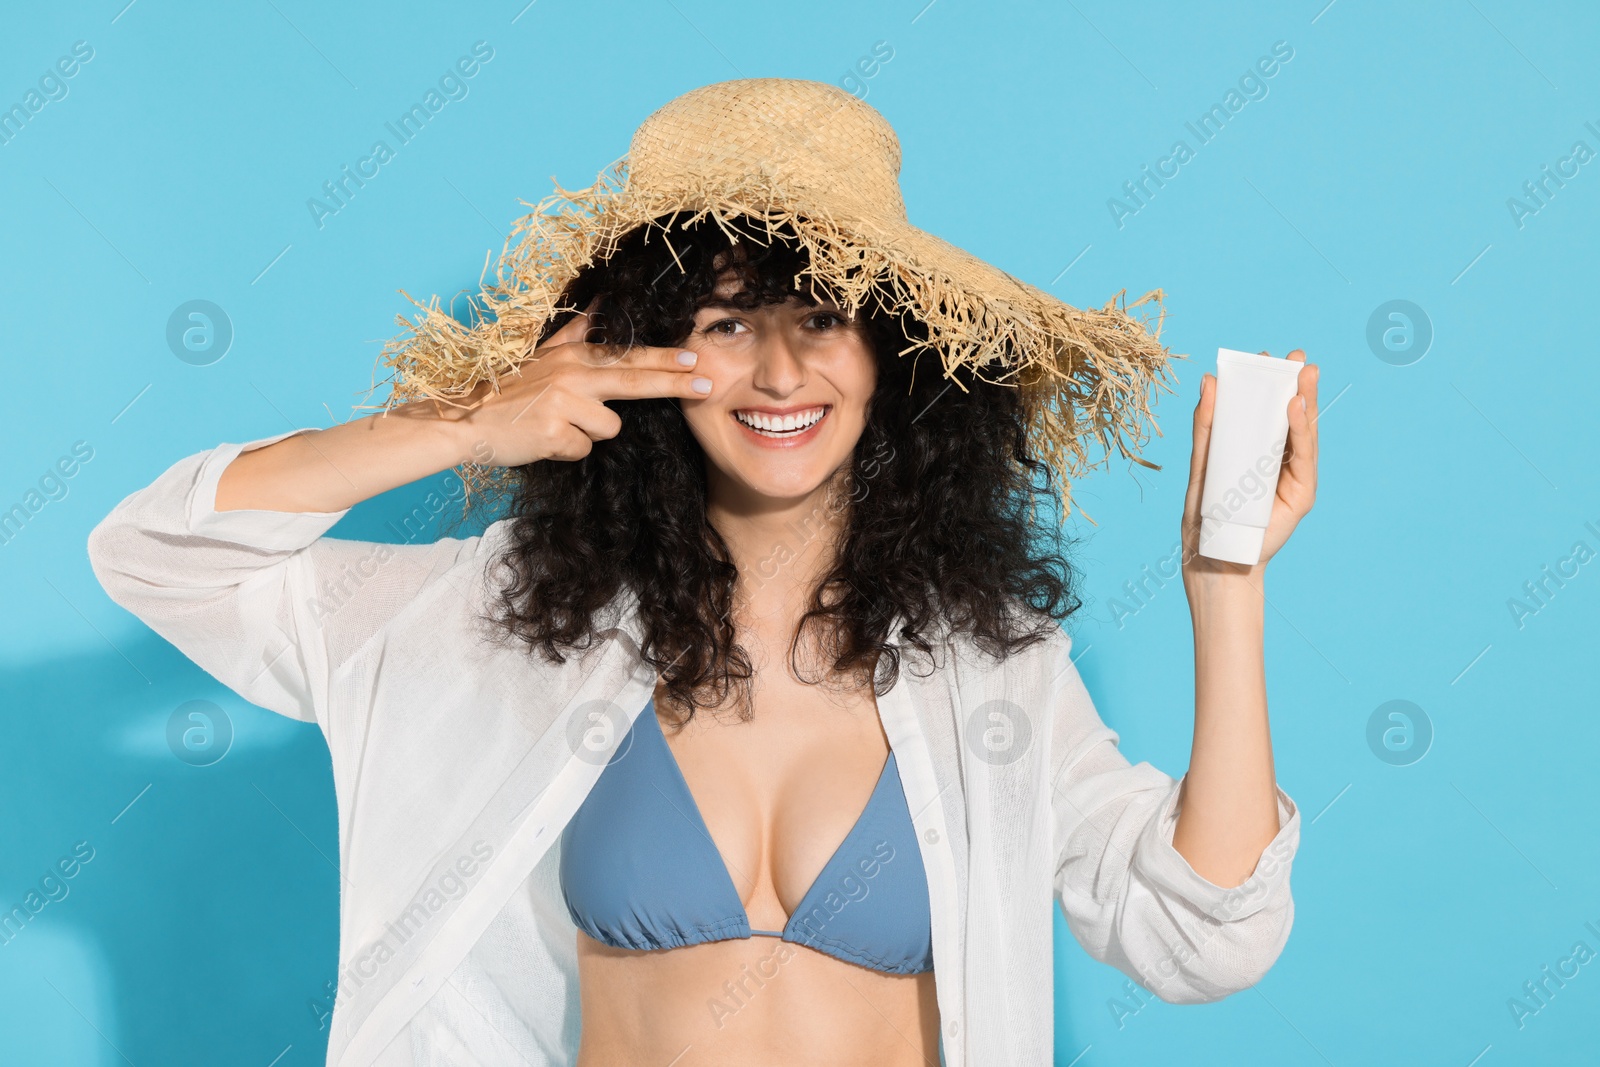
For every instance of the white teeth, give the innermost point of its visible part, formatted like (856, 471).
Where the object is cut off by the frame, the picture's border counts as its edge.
(774, 425)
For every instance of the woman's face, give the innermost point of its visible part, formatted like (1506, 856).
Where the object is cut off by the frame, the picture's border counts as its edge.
(790, 386)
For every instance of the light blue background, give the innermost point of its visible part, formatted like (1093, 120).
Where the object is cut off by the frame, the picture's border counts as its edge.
(1377, 167)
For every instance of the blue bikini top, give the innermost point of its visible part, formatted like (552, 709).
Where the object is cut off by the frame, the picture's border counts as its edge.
(639, 869)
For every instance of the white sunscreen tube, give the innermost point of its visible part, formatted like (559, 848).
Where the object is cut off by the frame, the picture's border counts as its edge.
(1249, 425)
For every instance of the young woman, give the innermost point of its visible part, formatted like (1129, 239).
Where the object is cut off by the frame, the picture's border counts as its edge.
(750, 733)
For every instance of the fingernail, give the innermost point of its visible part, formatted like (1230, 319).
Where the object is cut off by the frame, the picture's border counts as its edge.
(687, 358)
(1302, 404)
(701, 385)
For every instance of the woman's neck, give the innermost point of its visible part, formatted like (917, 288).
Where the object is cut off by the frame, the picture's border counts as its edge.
(782, 548)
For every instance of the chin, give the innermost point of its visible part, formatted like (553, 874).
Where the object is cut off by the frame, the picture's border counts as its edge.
(780, 485)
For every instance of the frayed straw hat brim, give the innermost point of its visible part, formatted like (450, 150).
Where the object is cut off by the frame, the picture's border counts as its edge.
(770, 152)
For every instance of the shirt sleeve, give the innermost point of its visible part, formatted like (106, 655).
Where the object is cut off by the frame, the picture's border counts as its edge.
(1129, 897)
(260, 599)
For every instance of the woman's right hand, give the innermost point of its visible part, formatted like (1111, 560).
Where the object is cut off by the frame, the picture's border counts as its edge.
(553, 405)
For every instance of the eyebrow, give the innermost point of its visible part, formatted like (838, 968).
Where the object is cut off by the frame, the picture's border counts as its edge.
(727, 304)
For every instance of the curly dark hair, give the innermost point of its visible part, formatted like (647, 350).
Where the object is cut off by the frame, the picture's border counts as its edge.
(936, 501)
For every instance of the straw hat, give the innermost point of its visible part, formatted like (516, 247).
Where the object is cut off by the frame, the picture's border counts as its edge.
(809, 154)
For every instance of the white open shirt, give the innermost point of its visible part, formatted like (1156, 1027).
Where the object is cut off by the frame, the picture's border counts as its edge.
(458, 759)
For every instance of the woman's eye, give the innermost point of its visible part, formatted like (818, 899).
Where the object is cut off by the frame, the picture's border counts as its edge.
(837, 319)
(717, 327)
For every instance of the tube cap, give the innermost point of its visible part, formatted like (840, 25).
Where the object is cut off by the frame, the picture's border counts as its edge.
(1232, 542)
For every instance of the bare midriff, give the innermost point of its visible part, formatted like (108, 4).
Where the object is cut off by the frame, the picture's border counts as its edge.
(751, 1001)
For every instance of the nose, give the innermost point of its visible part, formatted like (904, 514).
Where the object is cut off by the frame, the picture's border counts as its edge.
(779, 369)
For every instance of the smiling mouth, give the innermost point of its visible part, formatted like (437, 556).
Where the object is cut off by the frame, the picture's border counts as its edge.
(780, 426)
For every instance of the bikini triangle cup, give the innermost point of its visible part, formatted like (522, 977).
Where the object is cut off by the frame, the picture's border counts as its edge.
(639, 869)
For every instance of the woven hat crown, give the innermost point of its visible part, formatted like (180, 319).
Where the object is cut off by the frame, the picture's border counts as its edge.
(825, 150)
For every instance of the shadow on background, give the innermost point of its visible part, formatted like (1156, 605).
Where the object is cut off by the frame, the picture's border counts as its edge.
(210, 859)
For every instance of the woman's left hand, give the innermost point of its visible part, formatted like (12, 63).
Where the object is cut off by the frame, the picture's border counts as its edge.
(1229, 809)
(1297, 477)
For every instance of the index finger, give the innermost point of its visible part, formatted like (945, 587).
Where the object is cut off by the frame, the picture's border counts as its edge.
(661, 374)
(631, 354)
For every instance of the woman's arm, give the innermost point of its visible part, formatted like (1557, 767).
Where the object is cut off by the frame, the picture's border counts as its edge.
(552, 407)
(1229, 808)
(260, 599)
(1129, 897)
(225, 556)
(337, 468)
